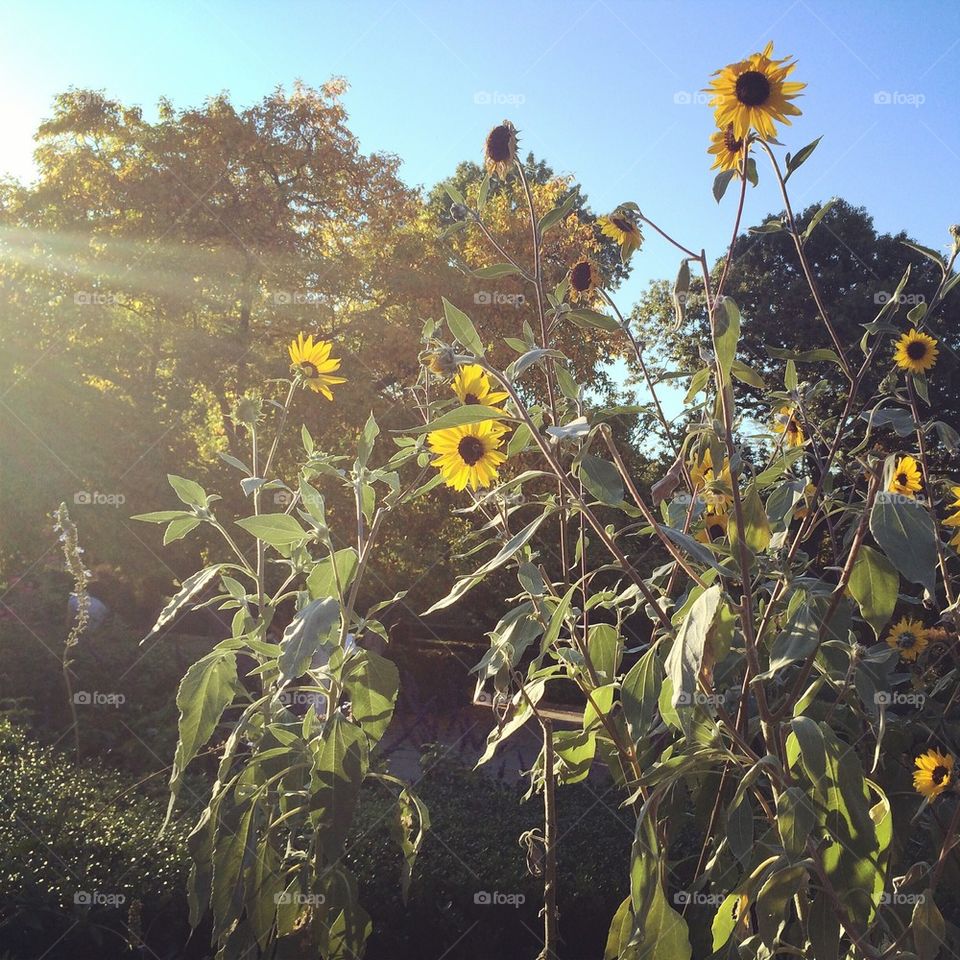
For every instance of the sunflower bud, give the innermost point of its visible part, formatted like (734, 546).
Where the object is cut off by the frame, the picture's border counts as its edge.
(443, 361)
(248, 410)
(458, 211)
(955, 233)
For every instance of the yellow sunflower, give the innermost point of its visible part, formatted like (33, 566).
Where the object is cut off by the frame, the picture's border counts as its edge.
(584, 279)
(468, 455)
(808, 491)
(934, 773)
(500, 150)
(954, 519)
(714, 527)
(909, 637)
(726, 149)
(786, 423)
(906, 478)
(620, 228)
(754, 93)
(313, 362)
(915, 351)
(717, 492)
(472, 385)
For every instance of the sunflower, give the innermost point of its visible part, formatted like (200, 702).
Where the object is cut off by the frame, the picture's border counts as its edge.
(954, 519)
(754, 93)
(312, 361)
(468, 454)
(786, 423)
(915, 351)
(472, 385)
(717, 493)
(726, 149)
(906, 478)
(801, 511)
(714, 527)
(500, 150)
(934, 773)
(584, 279)
(619, 227)
(909, 637)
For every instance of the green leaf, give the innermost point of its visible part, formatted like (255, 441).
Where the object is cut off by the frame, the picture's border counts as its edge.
(799, 639)
(906, 534)
(693, 548)
(801, 156)
(686, 656)
(340, 566)
(462, 329)
(178, 529)
(557, 213)
(277, 529)
(661, 931)
(164, 516)
(874, 584)
(310, 629)
(206, 690)
(757, 533)
(605, 647)
(340, 764)
(372, 684)
(681, 287)
(189, 491)
(817, 217)
(727, 336)
(369, 436)
(796, 818)
(639, 694)
(772, 905)
(721, 182)
(409, 829)
(804, 356)
(496, 270)
(602, 480)
(188, 590)
(697, 383)
(928, 927)
(460, 416)
(591, 319)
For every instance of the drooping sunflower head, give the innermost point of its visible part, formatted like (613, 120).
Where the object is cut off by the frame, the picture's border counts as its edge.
(727, 149)
(312, 362)
(714, 527)
(500, 149)
(906, 479)
(786, 423)
(909, 637)
(755, 93)
(472, 385)
(915, 351)
(701, 471)
(933, 774)
(623, 230)
(442, 360)
(584, 279)
(468, 455)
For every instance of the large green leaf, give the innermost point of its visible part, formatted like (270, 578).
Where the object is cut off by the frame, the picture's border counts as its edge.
(905, 533)
(206, 690)
(188, 590)
(874, 584)
(462, 328)
(686, 656)
(277, 529)
(727, 336)
(602, 480)
(310, 629)
(372, 684)
(338, 568)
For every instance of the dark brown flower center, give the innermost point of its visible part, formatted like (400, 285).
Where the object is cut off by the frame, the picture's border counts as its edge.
(625, 225)
(580, 276)
(309, 370)
(753, 88)
(471, 450)
(916, 349)
(730, 141)
(906, 641)
(471, 398)
(498, 144)
(902, 479)
(940, 773)
(793, 426)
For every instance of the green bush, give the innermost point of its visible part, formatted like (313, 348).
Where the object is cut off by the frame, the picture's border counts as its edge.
(81, 856)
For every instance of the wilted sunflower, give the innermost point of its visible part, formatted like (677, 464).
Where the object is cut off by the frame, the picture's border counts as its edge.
(313, 362)
(909, 637)
(472, 385)
(934, 773)
(620, 228)
(714, 527)
(726, 148)
(468, 454)
(954, 519)
(500, 150)
(584, 279)
(786, 423)
(915, 351)
(906, 478)
(754, 93)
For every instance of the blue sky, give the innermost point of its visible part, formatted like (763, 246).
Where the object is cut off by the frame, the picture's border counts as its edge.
(604, 90)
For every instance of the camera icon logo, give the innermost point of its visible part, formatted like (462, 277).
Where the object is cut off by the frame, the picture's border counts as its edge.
(483, 898)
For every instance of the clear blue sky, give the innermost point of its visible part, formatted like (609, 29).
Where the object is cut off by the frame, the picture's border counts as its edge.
(601, 89)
